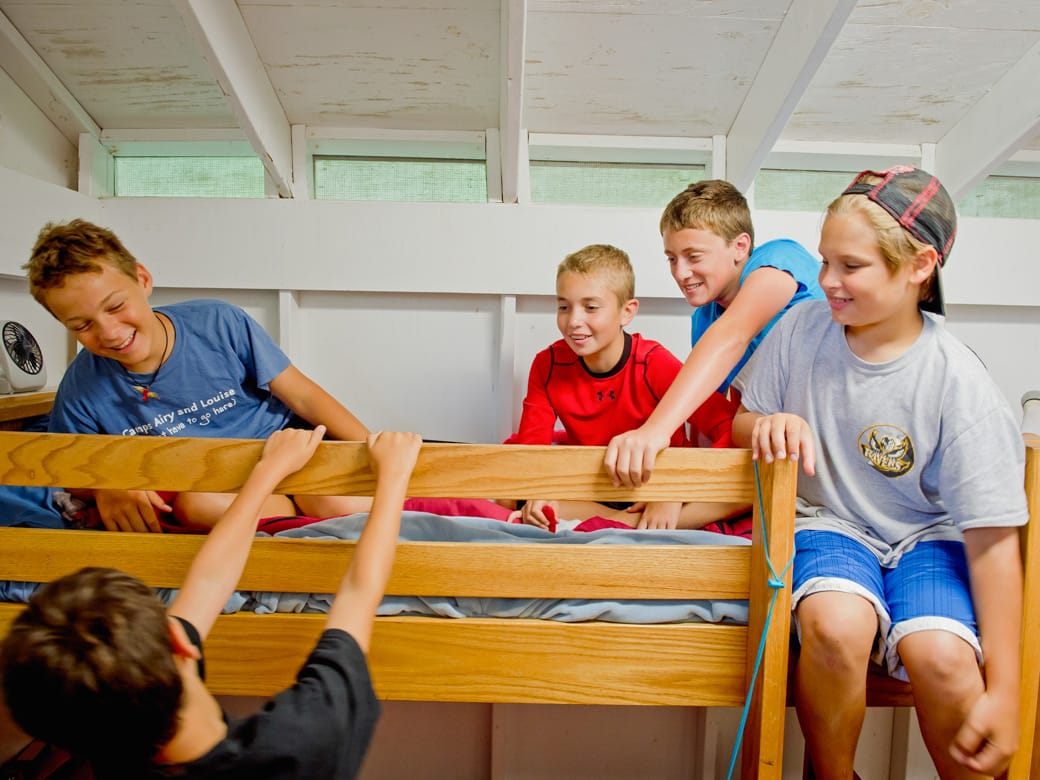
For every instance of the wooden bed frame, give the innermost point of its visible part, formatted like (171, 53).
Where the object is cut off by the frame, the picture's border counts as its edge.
(483, 659)
(472, 659)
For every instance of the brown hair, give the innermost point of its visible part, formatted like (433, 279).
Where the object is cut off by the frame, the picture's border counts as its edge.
(75, 247)
(712, 204)
(88, 665)
(897, 245)
(607, 262)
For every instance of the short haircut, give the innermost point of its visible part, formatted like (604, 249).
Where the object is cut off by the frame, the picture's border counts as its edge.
(76, 247)
(606, 262)
(897, 245)
(712, 204)
(88, 666)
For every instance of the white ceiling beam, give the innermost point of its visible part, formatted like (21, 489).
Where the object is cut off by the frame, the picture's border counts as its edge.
(42, 86)
(1006, 117)
(228, 48)
(802, 41)
(513, 25)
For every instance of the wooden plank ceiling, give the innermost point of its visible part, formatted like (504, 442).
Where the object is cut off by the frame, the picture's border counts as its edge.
(764, 75)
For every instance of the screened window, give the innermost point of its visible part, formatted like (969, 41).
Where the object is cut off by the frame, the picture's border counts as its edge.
(188, 177)
(788, 190)
(358, 178)
(610, 184)
(1003, 196)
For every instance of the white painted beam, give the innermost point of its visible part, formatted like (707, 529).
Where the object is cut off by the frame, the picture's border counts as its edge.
(95, 168)
(493, 164)
(802, 41)
(1004, 118)
(228, 48)
(511, 100)
(42, 86)
(302, 164)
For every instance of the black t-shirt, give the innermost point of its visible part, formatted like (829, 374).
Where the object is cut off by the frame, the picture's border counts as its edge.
(318, 728)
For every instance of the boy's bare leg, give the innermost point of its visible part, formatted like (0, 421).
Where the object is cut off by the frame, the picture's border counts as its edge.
(946, 680)
(201, 511)
(695, 515)
(332, 506)
(837, 633)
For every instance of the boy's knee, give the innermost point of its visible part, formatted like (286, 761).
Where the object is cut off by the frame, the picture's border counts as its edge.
(940, 660)
(837, 618)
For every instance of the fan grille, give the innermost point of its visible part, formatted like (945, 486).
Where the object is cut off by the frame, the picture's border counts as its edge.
(22, 348)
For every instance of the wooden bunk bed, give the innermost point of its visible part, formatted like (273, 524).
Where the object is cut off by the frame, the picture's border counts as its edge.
(490, 659)
(471, 659)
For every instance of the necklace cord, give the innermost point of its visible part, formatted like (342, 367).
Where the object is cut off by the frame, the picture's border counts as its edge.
(145, 387)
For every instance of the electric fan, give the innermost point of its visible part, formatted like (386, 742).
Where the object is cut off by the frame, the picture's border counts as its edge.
(21, 359)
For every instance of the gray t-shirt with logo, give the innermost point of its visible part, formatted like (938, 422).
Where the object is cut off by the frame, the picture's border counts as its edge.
(921, 447)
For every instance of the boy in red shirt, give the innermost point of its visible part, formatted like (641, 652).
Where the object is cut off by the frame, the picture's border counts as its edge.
(599, 380)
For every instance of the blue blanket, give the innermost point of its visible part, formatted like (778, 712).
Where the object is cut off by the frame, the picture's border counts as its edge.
(420, 526)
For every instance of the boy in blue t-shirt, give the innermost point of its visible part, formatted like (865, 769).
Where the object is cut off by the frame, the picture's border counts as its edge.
(198, 368)
(739, 290)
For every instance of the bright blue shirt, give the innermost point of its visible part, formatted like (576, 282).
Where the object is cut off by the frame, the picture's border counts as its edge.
(783, 254)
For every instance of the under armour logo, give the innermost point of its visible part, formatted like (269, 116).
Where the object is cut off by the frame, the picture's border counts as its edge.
(609, 395)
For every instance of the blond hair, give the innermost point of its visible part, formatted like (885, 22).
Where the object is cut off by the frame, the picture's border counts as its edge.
(898, 246)
(605, 262)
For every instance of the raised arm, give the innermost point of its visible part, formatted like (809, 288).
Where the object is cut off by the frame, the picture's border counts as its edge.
(316, 405)
(393, 457)
(630, 456)
(217, 567)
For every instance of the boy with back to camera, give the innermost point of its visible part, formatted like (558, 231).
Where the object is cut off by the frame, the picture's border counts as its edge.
(97, 666)
(197, 368)
(739, 292)
(598, 380)
(907, 527)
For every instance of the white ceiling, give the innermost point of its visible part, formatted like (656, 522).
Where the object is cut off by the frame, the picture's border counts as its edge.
(757, 76)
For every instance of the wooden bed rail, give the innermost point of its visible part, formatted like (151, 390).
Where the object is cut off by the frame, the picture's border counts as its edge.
(472, 659)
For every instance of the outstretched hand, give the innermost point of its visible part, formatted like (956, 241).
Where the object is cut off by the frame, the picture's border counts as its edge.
(393, 453)
(630, 456)
(779, 436)
(288, 450)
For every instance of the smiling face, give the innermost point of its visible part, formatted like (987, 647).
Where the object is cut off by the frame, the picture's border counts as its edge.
(863, 290)
(109, 314)
(591, 318)
(704, 265)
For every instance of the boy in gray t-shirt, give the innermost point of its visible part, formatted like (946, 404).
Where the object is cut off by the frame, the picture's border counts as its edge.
(907, 539)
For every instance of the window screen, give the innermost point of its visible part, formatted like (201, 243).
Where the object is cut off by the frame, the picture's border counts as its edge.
(357, 178)
(188, 177)
(610, 184)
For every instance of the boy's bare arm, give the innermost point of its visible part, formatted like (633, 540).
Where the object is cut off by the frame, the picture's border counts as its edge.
(316, 405)
(990, 733)
(764, 294)
(217, 567)
(393, 457)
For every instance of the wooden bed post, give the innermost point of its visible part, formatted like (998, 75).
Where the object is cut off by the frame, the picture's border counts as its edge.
(764, 733)
(1026, 761)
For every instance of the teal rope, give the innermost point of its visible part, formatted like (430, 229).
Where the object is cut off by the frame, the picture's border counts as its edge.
(776, 582)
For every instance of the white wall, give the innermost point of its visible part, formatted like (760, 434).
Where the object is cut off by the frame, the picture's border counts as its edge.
(426, 317)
